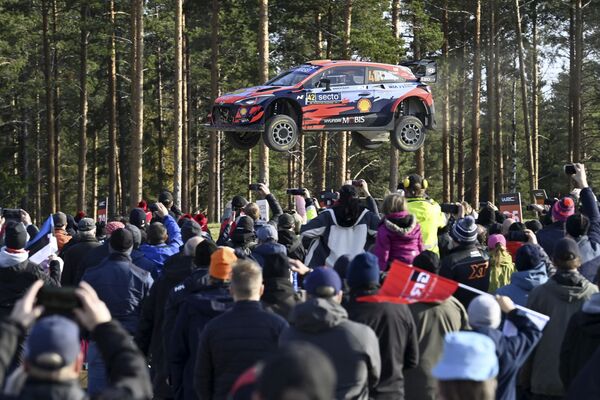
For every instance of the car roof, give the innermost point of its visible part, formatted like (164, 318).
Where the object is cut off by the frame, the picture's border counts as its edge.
(408, 74)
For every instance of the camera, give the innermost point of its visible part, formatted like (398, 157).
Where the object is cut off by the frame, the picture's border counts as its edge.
(13, 214)
(529, 207)
(357, 182)
(153, 207)
(254, 187)
(517, 236)
(570, 169)
(295, 192)
(449, 208)
(58, 300)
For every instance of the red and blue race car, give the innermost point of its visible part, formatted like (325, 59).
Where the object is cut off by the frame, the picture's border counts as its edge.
(373, 101)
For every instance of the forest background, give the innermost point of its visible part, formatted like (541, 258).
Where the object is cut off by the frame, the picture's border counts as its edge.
(107, 99)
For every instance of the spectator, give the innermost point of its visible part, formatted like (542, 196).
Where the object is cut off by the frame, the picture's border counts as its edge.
(251, 209)
(485, 314)
(559, 298)
(582, 339)
(138, 258)
(501, 263)
(287, 236)
(531, 273)
(506, 224)
(137, 217)
(235, 340)
(60, 223)
(53, 359)
(267, 244)
(433, 322)
(98, 254)
(345, 229)
(427, 211)
(466, 263)
(551, 234)
(166, 199)
(243, 237)
(392, 323)
(352, 347)
(468, 367)
(86, 241)
(515, 238)
(399, 234)
(586, 384)
(123, 287)
(279, 295)
(189, 229)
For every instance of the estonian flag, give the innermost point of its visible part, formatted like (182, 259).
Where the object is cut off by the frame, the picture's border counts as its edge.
(43, 244)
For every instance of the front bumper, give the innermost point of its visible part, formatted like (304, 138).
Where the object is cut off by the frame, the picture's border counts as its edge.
(232, 117)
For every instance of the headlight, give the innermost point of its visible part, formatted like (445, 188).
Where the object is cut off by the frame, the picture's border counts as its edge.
(250, 101)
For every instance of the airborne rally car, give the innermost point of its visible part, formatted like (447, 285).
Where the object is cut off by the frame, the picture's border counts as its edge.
(373, 101)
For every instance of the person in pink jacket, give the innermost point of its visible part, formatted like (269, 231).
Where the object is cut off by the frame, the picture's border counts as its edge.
(399, 234)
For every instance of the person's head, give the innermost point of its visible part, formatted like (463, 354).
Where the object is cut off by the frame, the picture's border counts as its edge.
(533, 225)
(15, 235)
(252, 211)
(156, 234)
(267, 233)
(246, 281)
(286, 222)
(563, 209)
(487, 216)
(566, 255)
(221, 262)
(341, 266)
(464, 231)
(238, 203)
(393, 203)
(348, 194)
(577, 225)
(135, 233)
(414, 185)
(482, 235)
(506, 225)
(363, 272)
(276, 266)
(484, 312)
(299, 371)
(52, 350)
(244, 231)
(468, 209)
(59, 219)
(121, 241)
(113, 226)
(324, 282)
(204, 251)
(86, 227)
(428, 261)
(137, 217)
(494, 228)
(189, 248)
(166, 198)
(468, 367)
(189, 229)
(516, 227)
(528, 257)
(496, 240)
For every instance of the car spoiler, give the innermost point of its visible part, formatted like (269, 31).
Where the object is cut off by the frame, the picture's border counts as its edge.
(424, 70)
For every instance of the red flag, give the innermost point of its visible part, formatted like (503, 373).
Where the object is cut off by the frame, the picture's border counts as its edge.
(406, 284)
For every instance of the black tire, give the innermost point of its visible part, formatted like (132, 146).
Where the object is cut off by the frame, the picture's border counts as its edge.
(243, 140)
(408, 134)
(281, 133)
(365, 143)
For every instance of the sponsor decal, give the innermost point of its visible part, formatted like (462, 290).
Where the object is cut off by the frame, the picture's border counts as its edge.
(364, 105)
(307, 69)
(510, 205)
(345, 120)
(243, 111)
(324, 98)
(300, 97)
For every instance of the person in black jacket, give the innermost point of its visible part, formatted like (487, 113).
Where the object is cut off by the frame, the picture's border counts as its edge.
(98, 254)
(279, 295)
(288, 238)
(53, 359)
(393, 324)
(73, 254)
(237, 339)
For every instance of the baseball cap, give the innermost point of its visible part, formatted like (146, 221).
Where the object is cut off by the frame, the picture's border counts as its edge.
(59, 219)
(320, 280)
(137, 217)
(53, 343)
(566, 249)
(221, 263)
(267, 232)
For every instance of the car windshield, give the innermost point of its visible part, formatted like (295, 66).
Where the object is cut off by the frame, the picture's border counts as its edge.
(293, 76)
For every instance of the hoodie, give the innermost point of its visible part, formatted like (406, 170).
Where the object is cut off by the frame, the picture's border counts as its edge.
(523, 282)
(352, 347)
(398, 238)
(292, 243)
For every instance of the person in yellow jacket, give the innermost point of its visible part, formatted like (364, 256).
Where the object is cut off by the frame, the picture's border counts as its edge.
(426, 210)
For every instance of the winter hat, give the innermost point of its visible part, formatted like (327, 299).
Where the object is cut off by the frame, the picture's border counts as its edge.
(323, 282)
(113, 226)
(495, 240)
(60, 219)
(266, 233)
(566, 249)
(528, 257)
(276, 265)
(137, 217)
(245, 223)
(506, 224)
(221, 263)
(15, 235)
(484, 312)
(203, 252)
(53, 343)
(487, 216)
(238, 202)
(80, 215)
(189, 248)
(577, 225)
(121, 240)
(285, 221)
(427, 260)
(189, 229)
(563, 209)
(494, 228)
(165, 197)
(136, 234)
(143, 205)
(469, 356)
(341, 266)
(348, 192)
(464, 230)
(533, 225)
(201, 220)
(363, 271)
(86, 225)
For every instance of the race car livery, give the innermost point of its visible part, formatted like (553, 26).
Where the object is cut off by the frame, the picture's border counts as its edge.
(374, 101)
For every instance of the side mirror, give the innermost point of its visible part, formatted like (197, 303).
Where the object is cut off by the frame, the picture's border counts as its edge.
(326, 82)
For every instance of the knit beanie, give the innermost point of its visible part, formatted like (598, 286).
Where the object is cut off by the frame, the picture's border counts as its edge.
(121, 240)
(15, 235)
(136, 234)
(577, 225)
(189, 248)
(137, 217)
(528, 257)
(189, 229)
(428, 261)
(495, 240)
(363, 271)
(221, 263)
(113, 226)
(563, 209)
(276, 265)
(203, 252)
(464, 230)
(566, 249)
(484, 312)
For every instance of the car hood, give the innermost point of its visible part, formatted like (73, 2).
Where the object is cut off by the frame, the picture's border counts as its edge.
(239, 94)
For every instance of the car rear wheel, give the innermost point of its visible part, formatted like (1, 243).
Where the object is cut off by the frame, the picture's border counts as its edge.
(281, 133)
(243, 140)
(365, 143)
(408, 134)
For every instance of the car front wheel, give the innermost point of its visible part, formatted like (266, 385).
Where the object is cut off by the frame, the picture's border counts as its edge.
(408, 133)
(243, 140)
(281, 133)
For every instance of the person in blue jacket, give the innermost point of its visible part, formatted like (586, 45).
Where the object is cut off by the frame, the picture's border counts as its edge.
(485, 315)
(530, 273)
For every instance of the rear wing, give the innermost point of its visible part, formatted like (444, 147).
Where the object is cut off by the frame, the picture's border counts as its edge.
(424, 70)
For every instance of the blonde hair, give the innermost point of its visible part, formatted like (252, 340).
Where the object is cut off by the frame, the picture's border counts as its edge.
(252, 211)
(246, 280)
(394, 202)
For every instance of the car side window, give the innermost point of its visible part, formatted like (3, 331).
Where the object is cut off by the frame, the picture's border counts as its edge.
(382, 75)
(340, 76)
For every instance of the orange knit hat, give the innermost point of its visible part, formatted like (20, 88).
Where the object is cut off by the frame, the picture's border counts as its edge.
(221, 263)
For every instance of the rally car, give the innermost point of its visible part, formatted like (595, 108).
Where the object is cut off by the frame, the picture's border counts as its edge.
(374, 101)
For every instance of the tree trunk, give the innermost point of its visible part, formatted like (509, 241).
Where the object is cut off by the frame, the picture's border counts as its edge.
(513, 185)
(214, 153)
(112, 121)
(320, 166)
(178, 103)
(187, 126)
(525, 102)
(578, 65)
(56, 94)
(49, 99)
(475, 121)
(446, 186)
(94, 202)
(263, 76)
(394, 153)
(38, 167)
(535, 94)
(159, 116)
(460, 175)
(491, 97)
(416, 47)
(572, 82)
(498, 107)
(83, 71)
(342, 137)
(137, 100)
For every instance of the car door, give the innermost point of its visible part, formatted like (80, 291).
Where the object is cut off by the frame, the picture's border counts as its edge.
(336, 107)
(387, 85)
